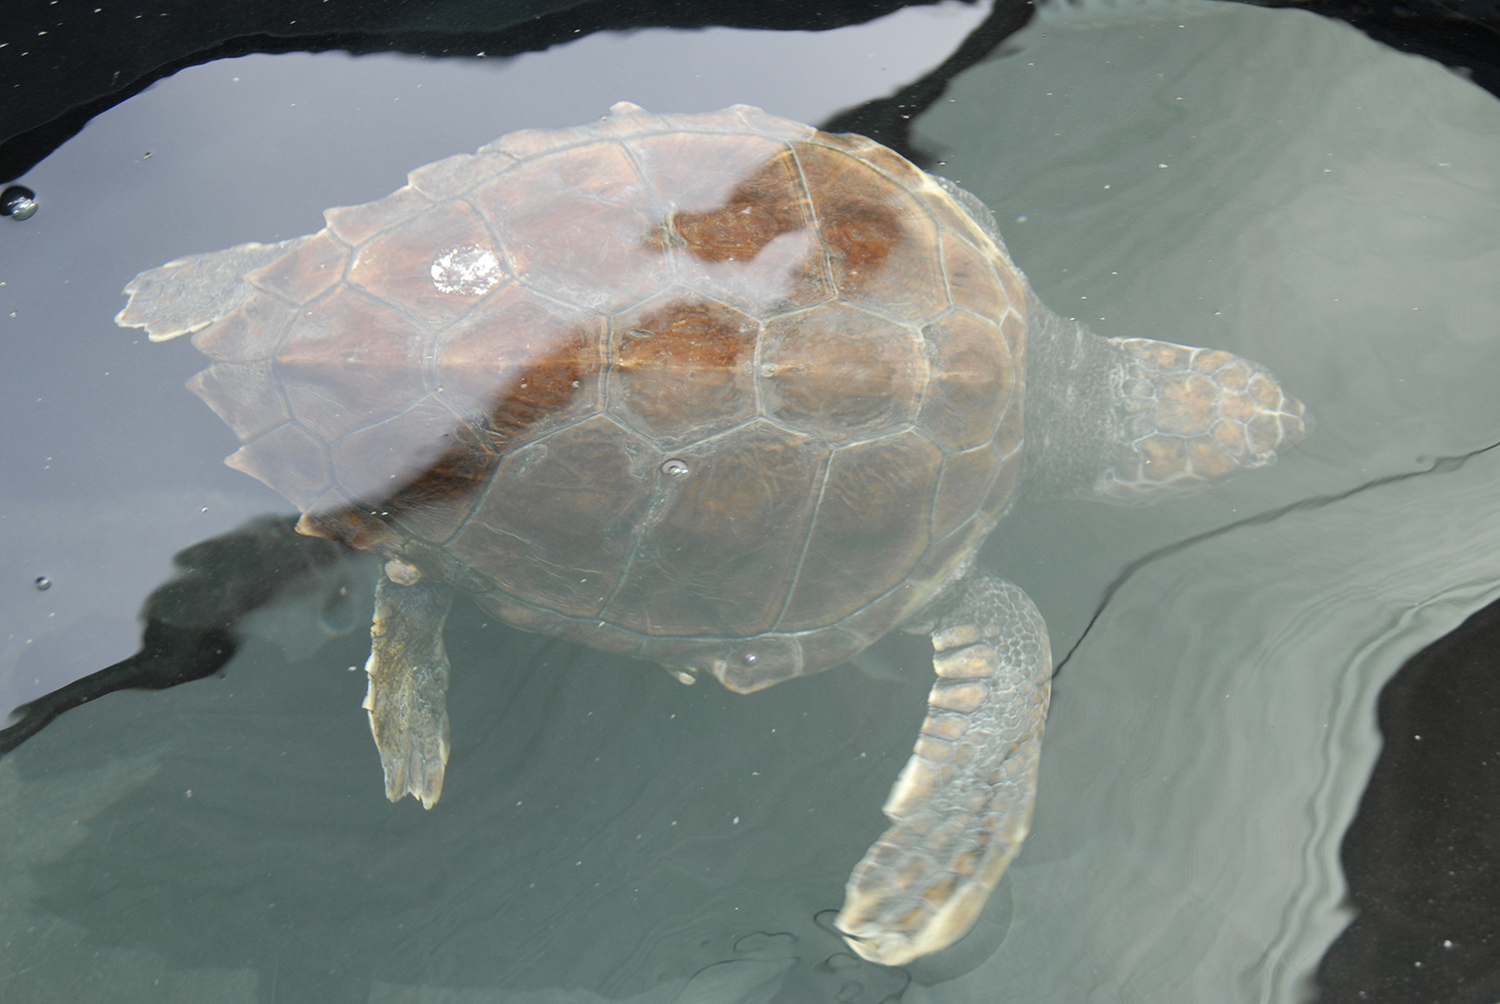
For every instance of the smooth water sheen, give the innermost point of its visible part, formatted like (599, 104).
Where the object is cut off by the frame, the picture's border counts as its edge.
(1327, 208)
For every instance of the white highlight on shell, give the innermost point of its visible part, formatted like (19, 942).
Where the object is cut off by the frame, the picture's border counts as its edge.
(468, 269)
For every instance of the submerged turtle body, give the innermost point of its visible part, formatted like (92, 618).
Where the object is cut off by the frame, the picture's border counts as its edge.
(719, 391)
(748, 392)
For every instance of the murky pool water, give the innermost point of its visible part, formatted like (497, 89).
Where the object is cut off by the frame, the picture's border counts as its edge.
(1260, 181)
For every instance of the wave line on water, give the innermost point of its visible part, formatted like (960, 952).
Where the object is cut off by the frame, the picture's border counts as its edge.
(1441, 465)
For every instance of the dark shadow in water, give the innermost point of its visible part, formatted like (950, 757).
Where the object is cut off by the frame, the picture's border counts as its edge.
(1422, 856)
(888, 120)
(193, 622)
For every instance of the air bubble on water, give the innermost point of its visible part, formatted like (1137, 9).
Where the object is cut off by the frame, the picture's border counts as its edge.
(43, 583)
(18, 202)
(749, 658)
(674, 468)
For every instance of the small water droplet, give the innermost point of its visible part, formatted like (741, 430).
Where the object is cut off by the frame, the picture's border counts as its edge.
(674, 468)
(18, 202)
(749, 658)
(43, 583)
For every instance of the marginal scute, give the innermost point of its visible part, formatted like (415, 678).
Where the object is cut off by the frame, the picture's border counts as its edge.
(289, 460)
(252, 332)
(245, 395)
(760, 123)
(356, 224)
(306, 271)
(451, 177)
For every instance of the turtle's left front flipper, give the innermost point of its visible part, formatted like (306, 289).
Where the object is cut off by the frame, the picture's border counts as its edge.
(408, 695)
(962, 805)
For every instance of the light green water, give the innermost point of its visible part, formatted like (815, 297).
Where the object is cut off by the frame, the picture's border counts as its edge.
(1327, 207)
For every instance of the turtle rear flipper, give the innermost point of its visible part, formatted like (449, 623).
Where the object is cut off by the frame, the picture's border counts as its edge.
(962, 805)
(408, 695)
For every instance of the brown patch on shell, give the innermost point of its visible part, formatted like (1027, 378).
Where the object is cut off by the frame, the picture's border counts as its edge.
(683, 367)
(434, 497)
(882, 245)
(764, 205)
(525, 362)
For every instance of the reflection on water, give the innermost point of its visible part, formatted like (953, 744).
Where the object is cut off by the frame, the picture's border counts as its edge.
(615, 834)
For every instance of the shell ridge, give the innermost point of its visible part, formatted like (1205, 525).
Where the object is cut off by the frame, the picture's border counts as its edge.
(814, 223)
(655, 513)
(661, 211)
(820, 486)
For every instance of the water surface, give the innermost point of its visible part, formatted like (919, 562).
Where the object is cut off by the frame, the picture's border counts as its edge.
(1261, 181)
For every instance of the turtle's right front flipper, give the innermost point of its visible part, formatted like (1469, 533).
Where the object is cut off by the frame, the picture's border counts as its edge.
(408, 695)
(962, 806)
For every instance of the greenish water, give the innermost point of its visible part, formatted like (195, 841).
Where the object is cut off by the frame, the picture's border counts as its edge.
(1327, 207)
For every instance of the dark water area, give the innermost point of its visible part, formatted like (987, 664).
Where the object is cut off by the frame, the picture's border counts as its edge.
(1267, 182)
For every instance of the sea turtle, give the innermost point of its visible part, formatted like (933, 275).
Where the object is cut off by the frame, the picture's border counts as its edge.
(719, 391)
